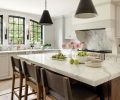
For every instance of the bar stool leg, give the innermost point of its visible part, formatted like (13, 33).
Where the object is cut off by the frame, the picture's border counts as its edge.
(26, 91)
(38, 96)
(13, 84)
(40, 93)
(20, 90)
(44, 94)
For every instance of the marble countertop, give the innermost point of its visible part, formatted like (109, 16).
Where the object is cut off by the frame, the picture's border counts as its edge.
(26, 50)
(83, 73)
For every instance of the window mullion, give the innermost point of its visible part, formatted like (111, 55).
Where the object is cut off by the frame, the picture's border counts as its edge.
(18, 31)
(13, 31)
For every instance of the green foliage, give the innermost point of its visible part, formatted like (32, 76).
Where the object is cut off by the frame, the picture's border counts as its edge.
(46, 45)
(35, 35)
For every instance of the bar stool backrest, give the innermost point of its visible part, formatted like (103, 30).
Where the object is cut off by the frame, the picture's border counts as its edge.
(16, 65)
(58, 85)
(32, 72)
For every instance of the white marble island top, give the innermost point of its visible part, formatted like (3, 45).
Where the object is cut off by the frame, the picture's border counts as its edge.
(82, 73)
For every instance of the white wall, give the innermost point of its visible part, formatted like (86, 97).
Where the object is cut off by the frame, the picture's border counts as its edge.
(49, 35)
(59, 30)
(55, 33)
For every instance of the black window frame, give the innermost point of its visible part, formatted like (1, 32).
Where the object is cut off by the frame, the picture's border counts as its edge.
(19, 17)
(1, 16)
(41, 33)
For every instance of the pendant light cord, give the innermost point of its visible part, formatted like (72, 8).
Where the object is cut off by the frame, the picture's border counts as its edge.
(45, 4)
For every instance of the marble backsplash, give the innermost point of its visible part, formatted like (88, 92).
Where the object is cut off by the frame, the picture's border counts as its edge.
(95, 39)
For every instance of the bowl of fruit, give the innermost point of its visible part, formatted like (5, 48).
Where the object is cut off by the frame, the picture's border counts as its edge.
(59, 57)
(82, 53)
(74, 61)
(82, 56)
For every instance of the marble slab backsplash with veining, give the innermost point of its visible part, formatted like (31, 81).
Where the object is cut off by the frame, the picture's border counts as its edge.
(98, 39)
(95, 39)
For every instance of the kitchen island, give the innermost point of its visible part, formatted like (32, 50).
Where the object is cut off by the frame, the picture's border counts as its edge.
(107, 77)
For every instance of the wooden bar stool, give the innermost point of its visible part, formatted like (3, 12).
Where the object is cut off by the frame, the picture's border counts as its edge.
(17, 72)
(33, 79)
(59, 88)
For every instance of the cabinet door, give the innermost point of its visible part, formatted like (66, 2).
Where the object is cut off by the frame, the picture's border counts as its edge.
(4, 66)
(69, 31)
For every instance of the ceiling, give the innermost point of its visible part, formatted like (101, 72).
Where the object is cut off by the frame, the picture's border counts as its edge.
(56, 7)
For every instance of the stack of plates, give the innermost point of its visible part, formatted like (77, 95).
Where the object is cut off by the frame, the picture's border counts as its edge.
(94, 63)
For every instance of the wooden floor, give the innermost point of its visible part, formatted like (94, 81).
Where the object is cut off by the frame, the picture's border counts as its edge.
(5, 91)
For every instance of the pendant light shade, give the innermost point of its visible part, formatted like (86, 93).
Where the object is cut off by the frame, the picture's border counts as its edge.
(45, 18)
(86, 9)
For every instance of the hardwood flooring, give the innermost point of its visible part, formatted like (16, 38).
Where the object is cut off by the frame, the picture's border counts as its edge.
(5, 91)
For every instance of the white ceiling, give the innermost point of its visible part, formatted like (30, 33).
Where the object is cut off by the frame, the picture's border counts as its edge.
(55, 7)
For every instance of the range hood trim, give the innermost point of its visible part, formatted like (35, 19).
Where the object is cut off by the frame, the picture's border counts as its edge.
(94, 25)
(92, 29)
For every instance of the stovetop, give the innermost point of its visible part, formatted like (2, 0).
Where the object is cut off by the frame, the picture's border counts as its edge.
(98, 51)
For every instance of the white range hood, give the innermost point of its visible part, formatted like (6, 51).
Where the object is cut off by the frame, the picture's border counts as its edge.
(105, 19)
(95, 25)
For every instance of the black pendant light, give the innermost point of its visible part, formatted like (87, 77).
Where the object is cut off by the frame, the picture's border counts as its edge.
(86, 9)
(46, 18)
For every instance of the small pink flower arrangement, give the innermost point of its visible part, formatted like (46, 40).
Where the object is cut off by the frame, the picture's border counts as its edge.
(72, 45)
(64, 46)
(78, 45)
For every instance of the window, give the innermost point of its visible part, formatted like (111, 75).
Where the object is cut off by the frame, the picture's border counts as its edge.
(16, 30)
(1, 29)
(35, 32)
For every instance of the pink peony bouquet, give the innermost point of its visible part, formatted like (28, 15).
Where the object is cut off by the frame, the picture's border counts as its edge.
(72, 45)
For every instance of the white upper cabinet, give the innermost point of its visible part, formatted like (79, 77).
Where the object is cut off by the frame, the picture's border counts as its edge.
(68, 27)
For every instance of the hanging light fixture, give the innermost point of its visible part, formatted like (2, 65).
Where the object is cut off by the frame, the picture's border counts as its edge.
(86, 9)
(46, 18)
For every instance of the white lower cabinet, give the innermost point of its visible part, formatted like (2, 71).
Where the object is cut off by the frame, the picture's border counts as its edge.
(4, 70)
(6, 66)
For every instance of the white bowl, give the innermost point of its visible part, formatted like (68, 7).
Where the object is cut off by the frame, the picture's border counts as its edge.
(94, 63)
